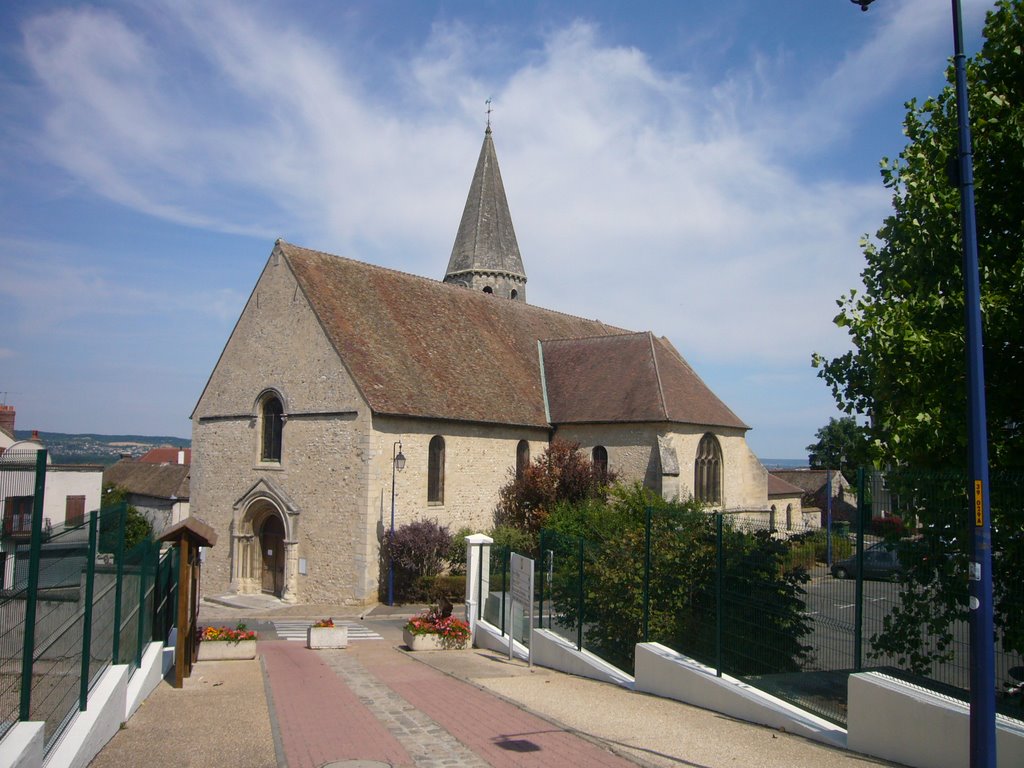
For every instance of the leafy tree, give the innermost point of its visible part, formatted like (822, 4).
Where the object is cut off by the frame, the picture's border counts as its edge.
(560, 474)
(907, 370)
(840, 443)
(136, 526)
(762, 609)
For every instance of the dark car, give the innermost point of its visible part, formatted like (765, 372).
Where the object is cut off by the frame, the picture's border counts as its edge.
(881, 561)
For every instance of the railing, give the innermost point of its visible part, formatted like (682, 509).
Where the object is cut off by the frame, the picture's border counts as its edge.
(762, 604)
(80, 603)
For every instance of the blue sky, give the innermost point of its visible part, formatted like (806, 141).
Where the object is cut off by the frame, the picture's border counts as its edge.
(701, 169)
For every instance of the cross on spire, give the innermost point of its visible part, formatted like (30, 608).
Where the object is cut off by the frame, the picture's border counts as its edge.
(488, 103)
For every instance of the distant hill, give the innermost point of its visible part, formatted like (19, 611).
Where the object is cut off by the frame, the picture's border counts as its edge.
(99, 449)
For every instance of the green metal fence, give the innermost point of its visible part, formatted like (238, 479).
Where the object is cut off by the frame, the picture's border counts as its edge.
(78, 602)
(764, 604)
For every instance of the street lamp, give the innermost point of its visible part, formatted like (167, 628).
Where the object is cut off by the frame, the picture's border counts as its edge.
(397, 464)
(983, 706)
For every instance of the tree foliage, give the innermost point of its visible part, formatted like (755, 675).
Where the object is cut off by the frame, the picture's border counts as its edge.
(560, 474)
(907, 370)
(840, 443)
(136, 526)
(908, 366)
(762, 617)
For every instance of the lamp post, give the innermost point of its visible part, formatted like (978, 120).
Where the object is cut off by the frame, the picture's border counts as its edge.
(983, 715)
(397, 464)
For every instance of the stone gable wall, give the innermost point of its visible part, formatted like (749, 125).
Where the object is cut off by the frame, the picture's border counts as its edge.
(278, 343)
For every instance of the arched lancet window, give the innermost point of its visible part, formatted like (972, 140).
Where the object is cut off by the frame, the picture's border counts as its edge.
(707, 471)
(771, 518)
(488, 289)
(789, 517)
(522, 458)
(272, 417)
(600, 458)
(514, 294)
(435, 471)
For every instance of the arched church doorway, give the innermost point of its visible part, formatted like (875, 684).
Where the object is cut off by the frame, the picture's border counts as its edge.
(272, 555)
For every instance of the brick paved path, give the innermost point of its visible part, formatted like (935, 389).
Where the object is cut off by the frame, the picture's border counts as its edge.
(373, 702)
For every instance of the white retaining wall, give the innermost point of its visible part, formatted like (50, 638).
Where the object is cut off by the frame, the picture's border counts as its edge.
(896, 721)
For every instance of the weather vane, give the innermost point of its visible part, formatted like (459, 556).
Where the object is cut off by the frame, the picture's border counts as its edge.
(488, 103)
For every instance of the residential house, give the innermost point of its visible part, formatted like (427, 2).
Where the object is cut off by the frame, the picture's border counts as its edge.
(69, 491)
(160, 491)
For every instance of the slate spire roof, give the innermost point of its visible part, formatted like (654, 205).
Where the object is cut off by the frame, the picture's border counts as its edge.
(486, 241)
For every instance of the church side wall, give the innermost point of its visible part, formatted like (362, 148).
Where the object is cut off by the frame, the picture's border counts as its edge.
(478, 460)
(632, 449)
(633, 455)
(744, 479)
(320, 484)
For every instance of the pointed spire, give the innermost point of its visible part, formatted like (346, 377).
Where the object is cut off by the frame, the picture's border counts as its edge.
(486, 255)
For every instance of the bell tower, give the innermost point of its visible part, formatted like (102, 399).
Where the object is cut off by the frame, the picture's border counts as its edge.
(486, 255)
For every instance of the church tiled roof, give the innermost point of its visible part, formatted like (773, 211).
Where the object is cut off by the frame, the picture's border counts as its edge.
(423, 348)
(629, 377)
(418, 347)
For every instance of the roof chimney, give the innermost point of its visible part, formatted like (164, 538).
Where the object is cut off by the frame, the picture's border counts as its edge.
(7, 419)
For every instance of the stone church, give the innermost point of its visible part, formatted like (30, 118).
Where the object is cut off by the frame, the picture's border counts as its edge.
(335, 367)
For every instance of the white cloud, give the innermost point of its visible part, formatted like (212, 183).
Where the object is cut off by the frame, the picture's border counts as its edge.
(641, 196)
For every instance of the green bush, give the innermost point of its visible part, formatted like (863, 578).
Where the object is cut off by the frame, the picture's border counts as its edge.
(451, 587)
(762, 607)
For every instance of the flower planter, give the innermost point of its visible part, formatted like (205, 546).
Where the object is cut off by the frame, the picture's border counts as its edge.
(225, 650)
(432, 642)
(327, 637)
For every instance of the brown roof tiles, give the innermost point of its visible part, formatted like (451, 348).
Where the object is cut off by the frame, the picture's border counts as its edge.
(419, 347)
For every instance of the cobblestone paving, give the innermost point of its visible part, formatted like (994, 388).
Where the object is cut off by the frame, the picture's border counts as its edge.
(427, 742)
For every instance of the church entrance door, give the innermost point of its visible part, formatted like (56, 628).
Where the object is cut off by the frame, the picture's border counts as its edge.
(272, 549)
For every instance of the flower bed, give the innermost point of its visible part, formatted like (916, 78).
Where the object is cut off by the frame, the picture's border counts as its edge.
(433, 631)
(224, 644)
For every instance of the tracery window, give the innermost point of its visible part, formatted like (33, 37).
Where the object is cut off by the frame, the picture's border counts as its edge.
(707, 471)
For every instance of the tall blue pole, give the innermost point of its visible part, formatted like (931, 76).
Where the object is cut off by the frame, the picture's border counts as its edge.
(983, 705)
(983, 673)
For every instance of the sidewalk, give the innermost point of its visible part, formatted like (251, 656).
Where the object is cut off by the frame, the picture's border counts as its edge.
(377, 703)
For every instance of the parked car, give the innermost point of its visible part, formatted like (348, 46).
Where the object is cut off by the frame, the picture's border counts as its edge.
(881, 561)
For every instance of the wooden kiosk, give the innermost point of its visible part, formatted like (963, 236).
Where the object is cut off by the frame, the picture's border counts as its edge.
(188, 535)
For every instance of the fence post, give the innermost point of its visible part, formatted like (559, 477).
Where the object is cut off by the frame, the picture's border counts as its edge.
(140, 632)
(504, 584)
(90, 586)
(719, 567)
(540, 612)
(647, 575)
(858, 614)
(118, 586)
(35, 545)
(477, 587)
(579, 601)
